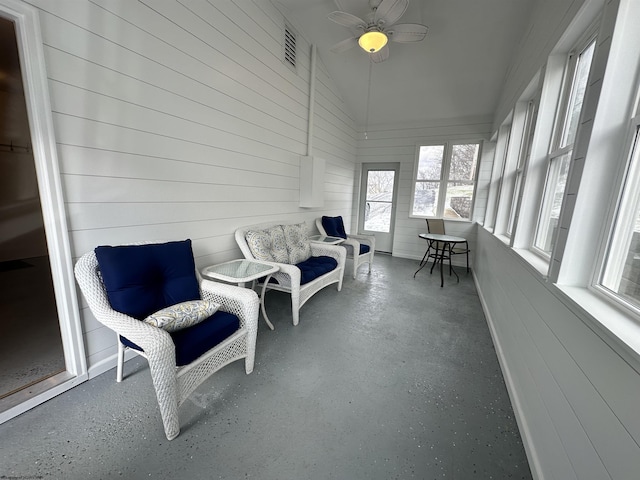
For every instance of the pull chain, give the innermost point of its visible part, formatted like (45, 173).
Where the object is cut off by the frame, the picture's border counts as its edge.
(366, 121)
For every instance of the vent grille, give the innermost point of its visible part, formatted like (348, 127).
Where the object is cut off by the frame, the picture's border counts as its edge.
(289, 46)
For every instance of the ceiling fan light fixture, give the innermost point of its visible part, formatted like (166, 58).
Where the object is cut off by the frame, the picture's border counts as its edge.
(373, 41)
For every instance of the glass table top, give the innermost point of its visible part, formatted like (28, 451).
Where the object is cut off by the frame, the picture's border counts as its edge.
(241, 270)
(442, 238)
(326, 239)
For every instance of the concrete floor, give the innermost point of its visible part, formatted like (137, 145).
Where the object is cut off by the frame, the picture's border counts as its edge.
(392, 378)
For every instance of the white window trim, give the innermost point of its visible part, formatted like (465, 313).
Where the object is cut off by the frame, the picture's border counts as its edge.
(444, 177)
(559, 127)
(611, 252)
(503, 183)
(520, 174)
(497, 173)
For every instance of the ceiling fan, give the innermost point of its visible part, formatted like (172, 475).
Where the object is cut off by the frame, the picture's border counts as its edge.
(373, 33)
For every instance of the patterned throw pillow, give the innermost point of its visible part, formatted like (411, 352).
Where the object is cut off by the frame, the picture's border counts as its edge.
(182, 315)
(268, 245)
(297, 242)
(278, 244)
(259, 243)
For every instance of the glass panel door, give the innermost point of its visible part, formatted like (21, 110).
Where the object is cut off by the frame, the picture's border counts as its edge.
(377, 203)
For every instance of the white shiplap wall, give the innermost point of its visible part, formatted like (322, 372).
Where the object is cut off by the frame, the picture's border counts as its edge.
(179, 119)
(574, 390)
(398, 144)
(576, 399)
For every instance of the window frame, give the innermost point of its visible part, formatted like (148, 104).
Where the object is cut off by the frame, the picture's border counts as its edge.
(557, 149)
(628, 209)
(524, 153)
(445, 169)
(502, 155)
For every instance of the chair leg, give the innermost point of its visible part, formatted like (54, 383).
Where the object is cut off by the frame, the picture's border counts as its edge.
(250, 359)
(295, 307)
(425, 255)
(119, 368)
(467, 248)
(163, 375)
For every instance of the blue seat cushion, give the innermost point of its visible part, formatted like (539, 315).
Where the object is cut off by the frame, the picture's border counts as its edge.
(315, 267)
(198, 339)
(364, 248)
(142, 279)
(334, 226)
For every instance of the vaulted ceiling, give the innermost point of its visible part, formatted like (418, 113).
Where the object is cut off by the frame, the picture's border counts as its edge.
(458, 70)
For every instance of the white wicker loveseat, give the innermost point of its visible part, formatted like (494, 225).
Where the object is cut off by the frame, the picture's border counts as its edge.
(360, 248)
(228, 335)
(290, 277)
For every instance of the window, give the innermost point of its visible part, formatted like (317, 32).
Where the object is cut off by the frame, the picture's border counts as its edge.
(621, 273)
(523, 156)
(497, 175)
(445, 180)
(577, 74)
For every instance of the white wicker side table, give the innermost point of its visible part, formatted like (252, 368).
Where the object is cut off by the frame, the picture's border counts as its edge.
(240, 272)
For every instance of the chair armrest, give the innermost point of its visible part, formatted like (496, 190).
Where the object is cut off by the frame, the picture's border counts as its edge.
(366, 239)
(360, 237)
(153, 340)
(334, 251)
(242, 302)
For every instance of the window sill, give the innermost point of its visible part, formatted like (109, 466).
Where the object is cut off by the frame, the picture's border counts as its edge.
(538, 265)
(535, 262)
(504, 239)
(621, 332)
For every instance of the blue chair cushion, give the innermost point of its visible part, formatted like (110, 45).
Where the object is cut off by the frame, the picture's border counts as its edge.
(142, 279)
(334, 226)
(198, 339)
(364, 248)
(315, 267)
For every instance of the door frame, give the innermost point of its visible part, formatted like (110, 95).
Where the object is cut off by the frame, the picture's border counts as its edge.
(36, 92)
(365, 167)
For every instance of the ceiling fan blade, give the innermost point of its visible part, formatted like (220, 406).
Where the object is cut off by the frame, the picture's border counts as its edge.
(347, 20)
(407, 32)
(344, 45)
(390, 11)
(380, 55)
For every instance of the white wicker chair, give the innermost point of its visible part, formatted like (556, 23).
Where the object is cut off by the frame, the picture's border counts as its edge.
(352, 244)
(174, 384)
(288, 276)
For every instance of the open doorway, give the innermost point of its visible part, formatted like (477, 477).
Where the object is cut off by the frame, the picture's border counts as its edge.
(31, 342)
(35, 247)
